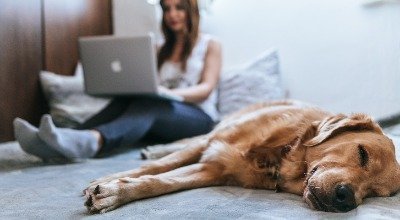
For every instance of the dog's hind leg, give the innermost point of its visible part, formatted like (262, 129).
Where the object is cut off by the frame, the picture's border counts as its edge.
(189, 155)
(162, 150)
(110, 195)
(159, 151)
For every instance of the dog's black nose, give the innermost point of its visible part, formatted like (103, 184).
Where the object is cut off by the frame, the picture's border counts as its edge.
(344, 199)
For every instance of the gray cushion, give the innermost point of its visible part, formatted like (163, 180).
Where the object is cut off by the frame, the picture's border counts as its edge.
(69, 105)
(255, 81)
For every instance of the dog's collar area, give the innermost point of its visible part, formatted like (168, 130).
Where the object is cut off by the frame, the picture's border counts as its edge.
(284, 152)
(278, 177)
(270, 170)
(288, 147)
(275, 176)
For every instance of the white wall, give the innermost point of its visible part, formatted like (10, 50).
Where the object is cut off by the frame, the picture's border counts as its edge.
(338, 54)
(134, 17)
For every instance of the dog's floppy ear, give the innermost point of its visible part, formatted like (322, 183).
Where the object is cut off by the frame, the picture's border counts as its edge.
(338, 123)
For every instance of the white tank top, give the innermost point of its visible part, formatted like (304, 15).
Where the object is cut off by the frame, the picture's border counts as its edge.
(171, 75)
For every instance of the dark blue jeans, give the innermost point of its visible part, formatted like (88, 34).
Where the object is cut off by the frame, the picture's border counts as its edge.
(127, 120)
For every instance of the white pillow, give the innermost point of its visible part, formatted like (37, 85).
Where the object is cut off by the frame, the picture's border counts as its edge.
(256, 81)
(69, 105)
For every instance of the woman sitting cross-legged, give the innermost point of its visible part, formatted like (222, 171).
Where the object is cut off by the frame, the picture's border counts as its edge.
(189, 65)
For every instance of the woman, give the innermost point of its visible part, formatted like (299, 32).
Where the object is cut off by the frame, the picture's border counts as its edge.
(189, 65)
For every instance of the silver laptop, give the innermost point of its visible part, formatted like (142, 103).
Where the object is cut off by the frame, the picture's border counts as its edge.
(120, 66)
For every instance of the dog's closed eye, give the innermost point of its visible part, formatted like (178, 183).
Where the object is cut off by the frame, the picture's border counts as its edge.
(363, 154)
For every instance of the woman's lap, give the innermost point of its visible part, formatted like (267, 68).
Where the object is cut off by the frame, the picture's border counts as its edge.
(162, 119)
(183, 120)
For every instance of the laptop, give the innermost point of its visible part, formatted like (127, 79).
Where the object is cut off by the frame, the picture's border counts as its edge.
(120, 66)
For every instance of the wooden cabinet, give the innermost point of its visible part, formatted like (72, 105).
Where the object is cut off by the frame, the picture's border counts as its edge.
(66, 20)
(36, 35)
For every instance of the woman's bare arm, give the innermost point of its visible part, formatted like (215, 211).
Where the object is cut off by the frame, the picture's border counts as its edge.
(209, 77)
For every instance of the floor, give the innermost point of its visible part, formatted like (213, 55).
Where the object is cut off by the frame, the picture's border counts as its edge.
(30, 189)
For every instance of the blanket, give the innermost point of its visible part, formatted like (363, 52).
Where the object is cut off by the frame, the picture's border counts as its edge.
(32, 189)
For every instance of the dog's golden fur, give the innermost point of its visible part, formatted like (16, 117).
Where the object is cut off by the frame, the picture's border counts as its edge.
(332, 160)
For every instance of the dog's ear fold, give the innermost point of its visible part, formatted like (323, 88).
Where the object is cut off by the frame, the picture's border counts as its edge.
(339, 123)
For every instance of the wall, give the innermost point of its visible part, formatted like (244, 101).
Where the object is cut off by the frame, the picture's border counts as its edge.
(64, 22)
(134, 17)
(20, 61)
(339, 54)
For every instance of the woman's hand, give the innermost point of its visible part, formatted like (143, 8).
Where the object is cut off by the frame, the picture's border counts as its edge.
(164, 90)
(169, 93)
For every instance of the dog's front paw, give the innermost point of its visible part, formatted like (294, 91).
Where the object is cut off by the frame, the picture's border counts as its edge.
(104, 180)
(109, 178)
(107, 196)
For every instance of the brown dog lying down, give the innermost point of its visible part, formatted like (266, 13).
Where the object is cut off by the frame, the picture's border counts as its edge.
(333, 161)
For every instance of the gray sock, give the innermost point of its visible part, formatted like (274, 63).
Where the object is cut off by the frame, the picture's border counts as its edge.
(73, 144)
(27, 137)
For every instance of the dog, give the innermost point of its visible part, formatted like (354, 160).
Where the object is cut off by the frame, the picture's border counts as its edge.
(332, 160)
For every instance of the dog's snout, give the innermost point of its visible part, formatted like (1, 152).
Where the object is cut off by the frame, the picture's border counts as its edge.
(344, 199)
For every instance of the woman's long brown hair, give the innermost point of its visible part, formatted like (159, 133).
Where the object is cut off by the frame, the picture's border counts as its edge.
(192, 31)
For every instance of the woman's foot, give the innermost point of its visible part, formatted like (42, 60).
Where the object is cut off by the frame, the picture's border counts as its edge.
(27, 137)
(73, 144)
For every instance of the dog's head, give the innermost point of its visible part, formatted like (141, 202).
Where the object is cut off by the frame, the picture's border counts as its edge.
(349, 159)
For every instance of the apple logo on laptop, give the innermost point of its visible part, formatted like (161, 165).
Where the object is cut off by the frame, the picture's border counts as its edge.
(116, 66)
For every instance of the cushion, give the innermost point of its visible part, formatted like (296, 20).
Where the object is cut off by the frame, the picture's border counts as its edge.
(69, 105)
(255, 81)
